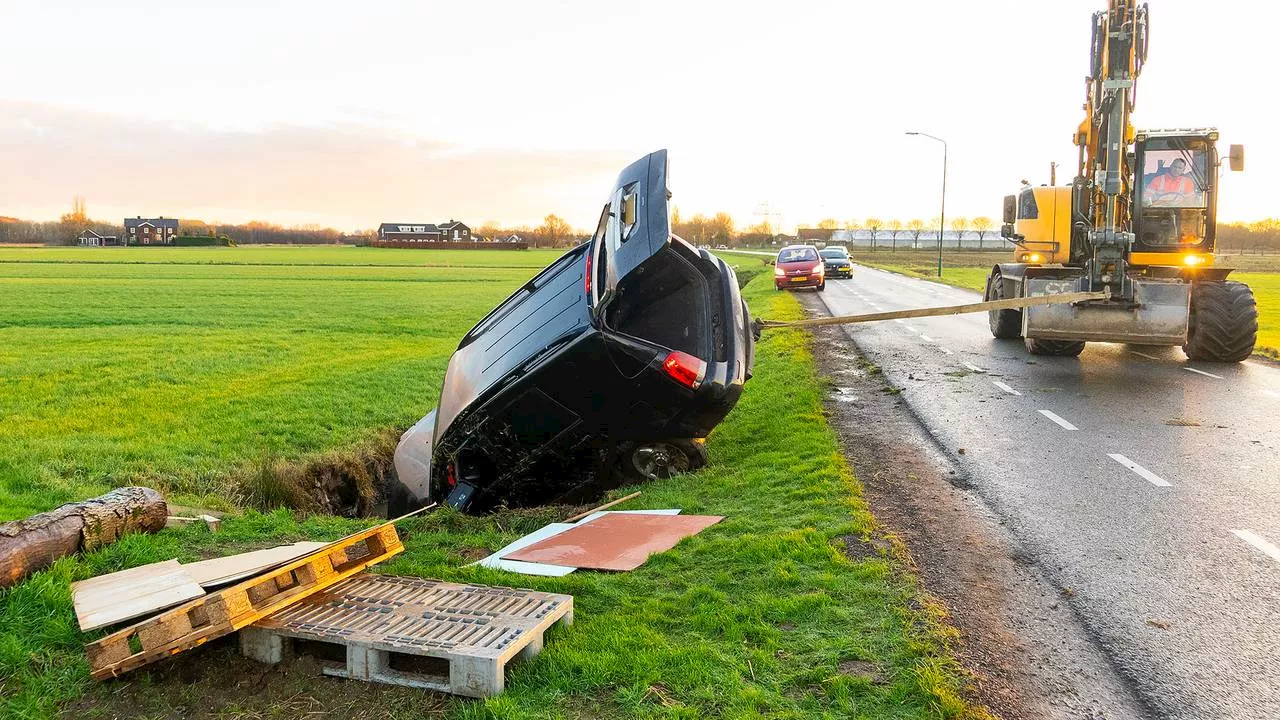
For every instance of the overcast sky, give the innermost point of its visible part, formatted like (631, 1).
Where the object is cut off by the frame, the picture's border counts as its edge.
(348, 114)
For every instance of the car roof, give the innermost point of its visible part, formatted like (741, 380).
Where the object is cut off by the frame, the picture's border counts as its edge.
(798, 247)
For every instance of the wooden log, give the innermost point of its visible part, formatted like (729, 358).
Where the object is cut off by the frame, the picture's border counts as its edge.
(35, 543)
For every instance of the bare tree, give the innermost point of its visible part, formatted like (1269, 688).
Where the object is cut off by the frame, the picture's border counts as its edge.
(959, 225)
(873, 226)
(828, 224)
(917, 228)
(555, 230)
(895, 227)
(982, 225)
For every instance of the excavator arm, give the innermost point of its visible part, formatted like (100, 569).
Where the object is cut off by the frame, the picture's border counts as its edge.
(1103, 217)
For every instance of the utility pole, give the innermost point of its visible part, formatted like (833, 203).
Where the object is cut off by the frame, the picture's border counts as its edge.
(1053, 174)
(942, 217)
(763, 211)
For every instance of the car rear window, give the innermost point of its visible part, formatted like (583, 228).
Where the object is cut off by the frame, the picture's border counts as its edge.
(789, 255)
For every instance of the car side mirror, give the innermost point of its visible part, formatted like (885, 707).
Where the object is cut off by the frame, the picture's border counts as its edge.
(1235, 157)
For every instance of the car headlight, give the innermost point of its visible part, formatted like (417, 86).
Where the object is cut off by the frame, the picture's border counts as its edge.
(779, 272)
(818, 269)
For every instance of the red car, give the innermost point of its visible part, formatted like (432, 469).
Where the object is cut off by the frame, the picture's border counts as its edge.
(799, 266)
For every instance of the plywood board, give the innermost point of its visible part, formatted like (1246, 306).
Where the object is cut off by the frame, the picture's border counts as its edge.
(528, 568)
(115, 597)
(619, 541)
(223, 570)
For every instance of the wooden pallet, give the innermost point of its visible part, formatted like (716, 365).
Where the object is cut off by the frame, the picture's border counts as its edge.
(228, 610)
(409, 631)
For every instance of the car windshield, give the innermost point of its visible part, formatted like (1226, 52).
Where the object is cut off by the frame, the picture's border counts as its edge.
(835, 254)
(800, 254)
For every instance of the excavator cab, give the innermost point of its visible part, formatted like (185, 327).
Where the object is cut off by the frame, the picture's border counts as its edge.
(1175, 197)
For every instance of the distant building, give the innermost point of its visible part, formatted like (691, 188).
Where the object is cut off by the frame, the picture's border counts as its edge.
(150, 231)
(452, 234)
(89, 238)
(455, 231)
(815, 234)
(452, 231)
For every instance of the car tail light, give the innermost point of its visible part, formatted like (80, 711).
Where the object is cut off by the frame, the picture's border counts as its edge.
(452, 478)
(685, 369)
(588, 284)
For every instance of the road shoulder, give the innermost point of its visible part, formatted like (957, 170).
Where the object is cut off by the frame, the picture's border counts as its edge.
(1030, 654)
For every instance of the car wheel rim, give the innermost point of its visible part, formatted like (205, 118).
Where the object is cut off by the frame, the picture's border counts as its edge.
(659, 460)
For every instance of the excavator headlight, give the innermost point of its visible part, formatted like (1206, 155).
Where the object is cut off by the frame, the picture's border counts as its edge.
(1192, 260)
(1030, 257)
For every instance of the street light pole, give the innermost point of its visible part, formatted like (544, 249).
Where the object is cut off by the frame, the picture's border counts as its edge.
(942, 217)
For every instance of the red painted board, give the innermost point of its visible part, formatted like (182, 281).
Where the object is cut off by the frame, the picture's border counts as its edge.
(614, 542)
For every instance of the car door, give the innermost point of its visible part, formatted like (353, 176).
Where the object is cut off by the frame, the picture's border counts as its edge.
(637, 225)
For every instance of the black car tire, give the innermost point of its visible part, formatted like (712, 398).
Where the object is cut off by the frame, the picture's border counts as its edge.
(645, 461)
(822, 286)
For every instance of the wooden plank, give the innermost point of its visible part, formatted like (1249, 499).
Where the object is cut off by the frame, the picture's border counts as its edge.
(1006, 304)
(119, 596)
(223, 570)
(225, 611)
(598, 508)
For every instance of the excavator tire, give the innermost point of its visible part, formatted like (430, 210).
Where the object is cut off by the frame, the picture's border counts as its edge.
(1224, 322)
(1060, 348)
(1005, 324)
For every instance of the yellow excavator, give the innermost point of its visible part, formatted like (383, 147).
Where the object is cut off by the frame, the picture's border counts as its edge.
(1137, 222)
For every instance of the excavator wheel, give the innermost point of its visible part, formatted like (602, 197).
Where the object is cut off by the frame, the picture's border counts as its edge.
(1224, 322)
(1005, 324)
(1060, 348)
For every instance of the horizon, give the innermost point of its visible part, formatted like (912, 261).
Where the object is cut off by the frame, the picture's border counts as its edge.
(288, 113)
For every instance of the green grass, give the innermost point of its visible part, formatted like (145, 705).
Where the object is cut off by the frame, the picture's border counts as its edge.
(282, 255)
(750, 619)
(176, 374)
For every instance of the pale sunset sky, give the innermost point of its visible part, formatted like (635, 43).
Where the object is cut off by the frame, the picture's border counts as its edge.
(347, 114)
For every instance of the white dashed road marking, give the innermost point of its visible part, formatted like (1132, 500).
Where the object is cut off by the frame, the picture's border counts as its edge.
(1201, 372)
(1259, 542)
(1149, 357)
(1142, 472)
(1058, 419)
(1005, 388)
(926, 338)
(945, 350)
(974, 368)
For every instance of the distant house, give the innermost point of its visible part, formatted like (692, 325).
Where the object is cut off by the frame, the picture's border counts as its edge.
(89, 238)
(455, 231)
(150, 231)
(453, 234)
(815, 234)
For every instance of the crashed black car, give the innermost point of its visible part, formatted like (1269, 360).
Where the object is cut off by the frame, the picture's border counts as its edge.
(607, 367)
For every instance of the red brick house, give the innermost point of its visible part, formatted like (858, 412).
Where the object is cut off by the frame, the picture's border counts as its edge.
(150, 231)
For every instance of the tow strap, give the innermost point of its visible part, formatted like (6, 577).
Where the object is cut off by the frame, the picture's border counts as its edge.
(1006, 304)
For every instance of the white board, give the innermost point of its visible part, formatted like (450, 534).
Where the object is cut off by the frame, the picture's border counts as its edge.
(144, 590)
(527, 568)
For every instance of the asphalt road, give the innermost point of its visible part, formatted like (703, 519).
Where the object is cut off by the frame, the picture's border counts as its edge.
(1145, 485)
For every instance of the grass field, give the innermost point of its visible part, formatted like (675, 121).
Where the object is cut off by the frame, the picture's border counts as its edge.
(969, 270)
(177, 370)
(172, 373)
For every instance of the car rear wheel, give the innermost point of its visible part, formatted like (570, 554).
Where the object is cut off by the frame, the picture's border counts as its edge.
(642, 461)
